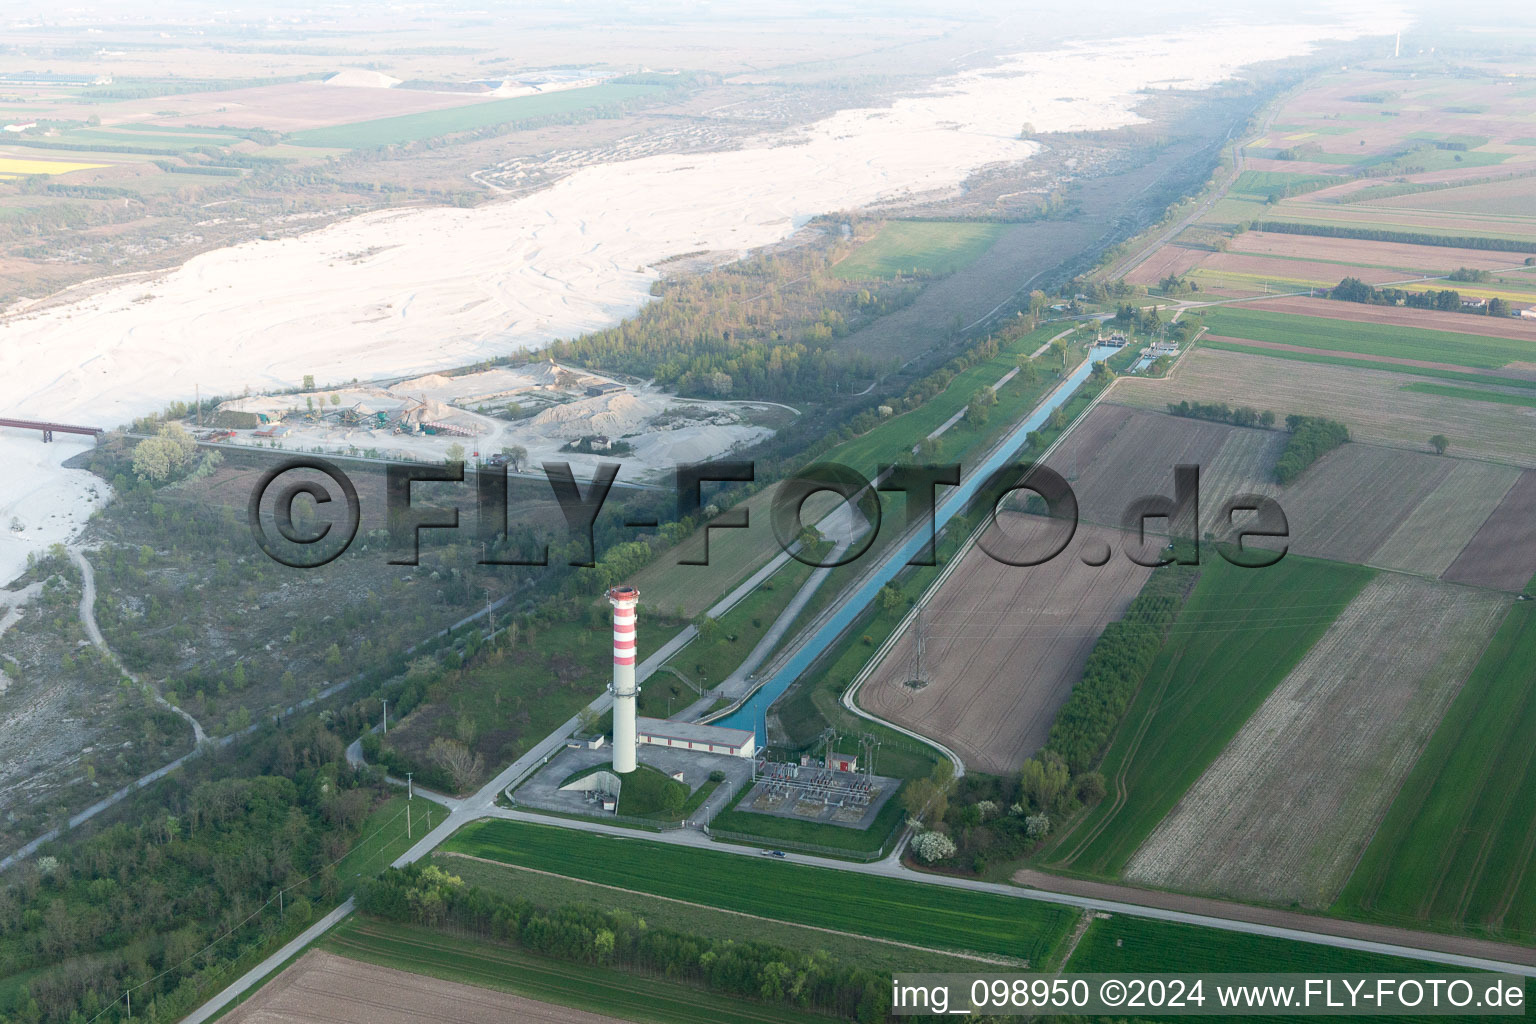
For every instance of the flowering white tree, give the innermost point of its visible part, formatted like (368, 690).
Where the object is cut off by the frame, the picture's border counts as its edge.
(932, 846)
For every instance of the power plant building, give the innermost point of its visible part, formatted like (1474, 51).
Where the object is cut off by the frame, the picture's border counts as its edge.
(706, 739)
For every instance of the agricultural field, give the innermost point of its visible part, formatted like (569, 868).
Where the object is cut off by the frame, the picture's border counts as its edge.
(1526, 399)
(1515, 197)
(1455, 339)
(20, 167)
(1243, 274)
(1122, 944)
(1238, 636)
(1502, 553)
(394, 131)
(932, 916)
(1170, 259)
(1120, 454)
(919, 248)
(1355, 497)
(1346, 253)
(342, 991)
(1454, 851)
(1442, 525)
(484, 982)
(1366, 397)
(1283, 814)
(693, 918)
(1002, 644)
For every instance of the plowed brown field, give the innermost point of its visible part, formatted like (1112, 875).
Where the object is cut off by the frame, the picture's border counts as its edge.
(324, 987)
(1003, 645)
(1370, 402)
(1170, 259)
(1502, 554)
(1427, 258)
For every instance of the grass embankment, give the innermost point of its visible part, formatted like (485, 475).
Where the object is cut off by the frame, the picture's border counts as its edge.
(1126, 945)
(697, 919)
(1455, 849)
(708, 662)
(1462, 349)
(590, 987)
(1239, 634)
(394, 131)
(919, 247)
(928, 915)
(384, 837)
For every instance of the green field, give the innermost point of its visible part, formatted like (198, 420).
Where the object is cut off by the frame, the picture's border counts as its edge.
(384, 837)
(1135, 945)
(1472, 394)
(1240, 633)
(393, 131)
(1455, 849)
(919, 247)
(1367, 339)
(928, 915)
(1280, 184)
(689, 918)
(590, 987)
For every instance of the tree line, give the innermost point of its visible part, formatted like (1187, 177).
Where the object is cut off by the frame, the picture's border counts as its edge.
(1448, 300)
(1368, 234)
(1221, 412)
(427, 895)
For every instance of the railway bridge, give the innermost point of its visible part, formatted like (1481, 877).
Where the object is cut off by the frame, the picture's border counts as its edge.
(49, 429)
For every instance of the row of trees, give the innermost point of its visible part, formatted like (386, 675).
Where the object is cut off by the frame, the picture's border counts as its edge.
(1311, 438)
(1352, 289)
(1115, 668)
(752, 970)
(1221, 412)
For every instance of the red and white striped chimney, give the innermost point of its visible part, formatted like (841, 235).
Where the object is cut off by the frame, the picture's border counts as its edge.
(625, 691)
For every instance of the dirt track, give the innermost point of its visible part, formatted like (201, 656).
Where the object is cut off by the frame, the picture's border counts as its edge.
(321, 986)
(1458, 944)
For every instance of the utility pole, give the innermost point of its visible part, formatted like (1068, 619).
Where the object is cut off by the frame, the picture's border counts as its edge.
(410, 793)
(386, 714)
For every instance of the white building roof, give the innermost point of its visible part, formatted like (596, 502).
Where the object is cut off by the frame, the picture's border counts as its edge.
(692, 732)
